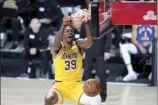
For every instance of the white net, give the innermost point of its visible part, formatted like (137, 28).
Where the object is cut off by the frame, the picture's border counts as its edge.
(81, 14)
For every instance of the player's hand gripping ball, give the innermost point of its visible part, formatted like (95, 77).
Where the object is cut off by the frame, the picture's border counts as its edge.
(84, 19)
(67, 21)
(91, 87)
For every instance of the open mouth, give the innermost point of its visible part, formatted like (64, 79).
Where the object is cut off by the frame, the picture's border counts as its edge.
(70, 37)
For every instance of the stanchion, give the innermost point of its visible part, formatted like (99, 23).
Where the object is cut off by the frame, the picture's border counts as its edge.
(1, 62)
(154, 64)
(95, 18)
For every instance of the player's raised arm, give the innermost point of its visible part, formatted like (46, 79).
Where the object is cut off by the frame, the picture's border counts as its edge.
(59, 36)
(85, 43)
(134, 35)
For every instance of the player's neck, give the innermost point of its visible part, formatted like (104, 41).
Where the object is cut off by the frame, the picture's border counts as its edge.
(67, 45)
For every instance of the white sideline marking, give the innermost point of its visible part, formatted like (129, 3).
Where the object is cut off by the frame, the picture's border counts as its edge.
(109, 83)
(127, 84)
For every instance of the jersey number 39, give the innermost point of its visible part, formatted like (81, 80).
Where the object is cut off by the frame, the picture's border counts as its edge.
(70, 65)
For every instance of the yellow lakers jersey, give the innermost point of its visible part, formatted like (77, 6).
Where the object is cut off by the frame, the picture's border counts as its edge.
(68, 64)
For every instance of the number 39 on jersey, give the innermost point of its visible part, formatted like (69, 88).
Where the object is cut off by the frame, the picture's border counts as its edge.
(70, 65)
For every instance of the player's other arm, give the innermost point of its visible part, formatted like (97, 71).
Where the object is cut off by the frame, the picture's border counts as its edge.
(134, 36)
(59, 36)
(87, 42)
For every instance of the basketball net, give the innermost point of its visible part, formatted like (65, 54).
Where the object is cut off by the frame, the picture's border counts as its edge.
(81, 14)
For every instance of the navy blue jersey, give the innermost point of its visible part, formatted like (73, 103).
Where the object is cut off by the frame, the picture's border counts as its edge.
(145, 33)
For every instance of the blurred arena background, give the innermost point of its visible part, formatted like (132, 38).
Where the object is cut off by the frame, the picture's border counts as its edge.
(20, 88)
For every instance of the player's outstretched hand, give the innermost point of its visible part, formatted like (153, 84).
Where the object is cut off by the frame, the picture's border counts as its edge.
(85, 19)
(67, 21)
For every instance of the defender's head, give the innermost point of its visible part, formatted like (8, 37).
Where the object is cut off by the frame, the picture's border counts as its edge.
(68, 35)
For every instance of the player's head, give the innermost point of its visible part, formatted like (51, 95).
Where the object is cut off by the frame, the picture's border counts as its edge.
(35, 24)
(68, 35)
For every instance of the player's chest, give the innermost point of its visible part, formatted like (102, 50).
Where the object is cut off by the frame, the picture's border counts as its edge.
(69, 55)
(145, 30)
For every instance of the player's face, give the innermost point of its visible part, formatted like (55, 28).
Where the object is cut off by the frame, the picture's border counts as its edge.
(68, 34)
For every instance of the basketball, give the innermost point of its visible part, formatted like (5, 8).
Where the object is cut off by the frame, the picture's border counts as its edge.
(91, 87)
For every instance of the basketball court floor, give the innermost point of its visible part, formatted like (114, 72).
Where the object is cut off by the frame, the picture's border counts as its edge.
(32, 92)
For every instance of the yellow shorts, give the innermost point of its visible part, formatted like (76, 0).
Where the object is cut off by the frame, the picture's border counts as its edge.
(69, 90)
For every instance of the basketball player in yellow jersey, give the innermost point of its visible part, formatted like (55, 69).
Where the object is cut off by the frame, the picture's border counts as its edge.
(67, 58)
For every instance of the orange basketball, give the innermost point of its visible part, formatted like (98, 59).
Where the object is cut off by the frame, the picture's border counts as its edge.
(91, 87)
